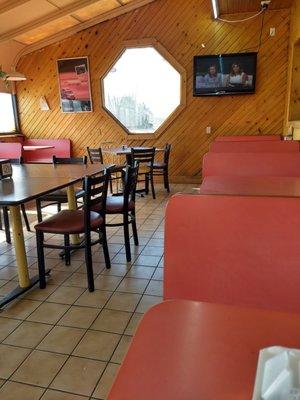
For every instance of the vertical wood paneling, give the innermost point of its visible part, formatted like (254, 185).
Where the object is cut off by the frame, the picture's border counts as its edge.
(181, 27)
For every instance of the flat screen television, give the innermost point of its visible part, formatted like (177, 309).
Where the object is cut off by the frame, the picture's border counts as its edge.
(223, 74)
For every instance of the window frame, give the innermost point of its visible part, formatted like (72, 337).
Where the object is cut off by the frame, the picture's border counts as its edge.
(16, 115)
(175, 64)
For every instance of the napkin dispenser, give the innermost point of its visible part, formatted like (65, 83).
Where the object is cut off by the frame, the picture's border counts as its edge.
(278, 374)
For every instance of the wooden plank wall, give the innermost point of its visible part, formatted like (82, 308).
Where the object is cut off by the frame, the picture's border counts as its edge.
(181, 27)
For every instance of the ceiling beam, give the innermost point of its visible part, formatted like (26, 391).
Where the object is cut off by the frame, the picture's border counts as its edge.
(84, 25)
(10, 4)
(68, 10)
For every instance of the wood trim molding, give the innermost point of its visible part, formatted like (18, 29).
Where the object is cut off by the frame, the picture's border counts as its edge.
(140, 43)
(11, 4)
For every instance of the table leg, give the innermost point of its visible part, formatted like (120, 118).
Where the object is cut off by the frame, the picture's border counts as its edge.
(72, 206)
(19, 246)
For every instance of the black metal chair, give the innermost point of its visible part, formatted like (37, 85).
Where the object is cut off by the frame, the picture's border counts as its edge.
(162, 169)
(59, 197)
(72, 222)
(145, 159)
(96, 156)
(6, 212)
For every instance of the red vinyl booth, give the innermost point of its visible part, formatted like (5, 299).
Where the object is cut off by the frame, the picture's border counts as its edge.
(251, 164)
(247, 138)
(10, 150)
(290, 146)
(233, 250)
(61, 148)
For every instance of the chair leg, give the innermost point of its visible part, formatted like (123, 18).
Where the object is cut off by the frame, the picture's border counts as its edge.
(134, 229)
(146, 183)
(105, 247)
(111, 186)
(6, 224)
(58, 207)
(126, 237)
(89, 262)
(67, 250)
(1, 225)
(39, 210)
(152, 185)
(25, 217)
(166, 180)
(41, 258)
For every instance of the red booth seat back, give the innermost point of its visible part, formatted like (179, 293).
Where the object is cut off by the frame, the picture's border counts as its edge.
(255, 147)
(248, 138)
(233, 250)
(10, 150)
(61, 148)
(251, 164)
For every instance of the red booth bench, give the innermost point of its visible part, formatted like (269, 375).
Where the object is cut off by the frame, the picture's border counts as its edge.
(59, 148)
(251, 164)
(10, 150)
(233, 250)
(247, 138)
(255, 147)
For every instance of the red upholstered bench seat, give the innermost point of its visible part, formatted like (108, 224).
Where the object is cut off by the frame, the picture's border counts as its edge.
(291, 146)
(248, 138)
(61, 148)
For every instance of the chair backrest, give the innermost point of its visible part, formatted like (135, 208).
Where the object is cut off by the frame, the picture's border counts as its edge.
(130, 182)
(283, 146)
(95, 155)
(95, 192)
(251, 164)
(248, 138)
(70, 160)
(167, 153)
(143, 155)
(239, 250)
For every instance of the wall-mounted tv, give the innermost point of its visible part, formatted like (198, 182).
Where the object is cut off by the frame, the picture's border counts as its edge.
(222, 74)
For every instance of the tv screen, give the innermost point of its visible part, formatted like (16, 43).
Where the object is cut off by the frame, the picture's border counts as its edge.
(224, 74)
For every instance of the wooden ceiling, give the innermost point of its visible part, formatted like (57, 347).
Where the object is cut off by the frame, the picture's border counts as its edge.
(32, 21)
(240, 6)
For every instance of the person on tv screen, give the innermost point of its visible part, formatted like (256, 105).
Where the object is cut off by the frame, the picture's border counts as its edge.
(213, 79)
(237, 76)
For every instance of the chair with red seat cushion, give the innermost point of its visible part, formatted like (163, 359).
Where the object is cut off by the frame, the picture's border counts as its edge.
(70, 222)
(125, 205)
(162, 169)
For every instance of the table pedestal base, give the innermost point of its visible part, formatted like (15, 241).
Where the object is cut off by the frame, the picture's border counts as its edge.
(18, 291)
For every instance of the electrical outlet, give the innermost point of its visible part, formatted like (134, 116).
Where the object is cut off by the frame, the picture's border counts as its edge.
(208, 130)
(272, 32)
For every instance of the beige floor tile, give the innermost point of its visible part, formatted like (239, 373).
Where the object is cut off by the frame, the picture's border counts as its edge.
(8, 287)
(107, 282)
(20, 309)
(121, 350)
(116, 270)
(77, 280)
(28, 334)
(97, 345)
(65, 295)
(79, 317)
(48, 313)
(87, 373)
(147, 261)
(7, 325)
(140, 272)
(123, 301)
(133, 285)
(147, 302)
(159, 274)
(61, 339)
(56, 395)
(98, 298)
(133, 324)
(97, 268)
(39, 368)
(2, 381)
(11, 357)
(112, 321)
(41, 294)
(16, 391)
(57, 277)
(8, 273)
(105, 383)
(153, 251)
(155, 288)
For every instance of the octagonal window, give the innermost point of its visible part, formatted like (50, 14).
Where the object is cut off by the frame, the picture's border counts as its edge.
(142, 90)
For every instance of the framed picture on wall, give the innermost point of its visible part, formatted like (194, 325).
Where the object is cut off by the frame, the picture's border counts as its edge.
(74, 85)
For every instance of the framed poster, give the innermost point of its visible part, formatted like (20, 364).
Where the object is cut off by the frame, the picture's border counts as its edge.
(74, 85)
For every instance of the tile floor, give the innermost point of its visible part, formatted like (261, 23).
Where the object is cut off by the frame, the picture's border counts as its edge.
(64, 343)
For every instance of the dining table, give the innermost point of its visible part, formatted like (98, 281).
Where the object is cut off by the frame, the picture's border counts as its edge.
(28, 182)
(36, 148)
(126, 151)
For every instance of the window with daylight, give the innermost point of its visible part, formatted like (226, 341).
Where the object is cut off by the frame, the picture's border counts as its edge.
(142, 90)
(7, 114)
